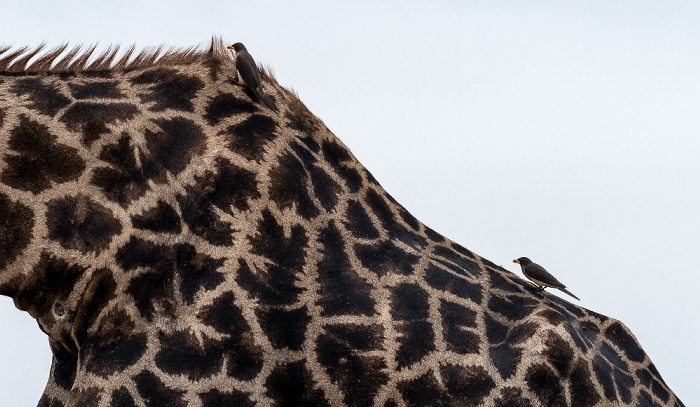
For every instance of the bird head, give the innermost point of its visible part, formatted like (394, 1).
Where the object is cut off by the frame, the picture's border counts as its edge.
(523, 261)
(237, 47)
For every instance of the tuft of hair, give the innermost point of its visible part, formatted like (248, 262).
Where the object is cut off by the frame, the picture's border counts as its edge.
(266, 73)
(7, 60)
(58, 60)
(299, 116)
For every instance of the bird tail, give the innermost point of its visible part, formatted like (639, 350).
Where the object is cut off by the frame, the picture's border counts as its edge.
(567, 291)
(267, 100)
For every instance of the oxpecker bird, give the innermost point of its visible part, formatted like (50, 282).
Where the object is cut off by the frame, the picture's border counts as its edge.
(538, 275)
(249, 75)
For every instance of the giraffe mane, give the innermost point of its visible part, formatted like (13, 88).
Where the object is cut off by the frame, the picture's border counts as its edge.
(77, 59)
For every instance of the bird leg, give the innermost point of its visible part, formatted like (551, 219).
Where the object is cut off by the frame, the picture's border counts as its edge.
(233, 79)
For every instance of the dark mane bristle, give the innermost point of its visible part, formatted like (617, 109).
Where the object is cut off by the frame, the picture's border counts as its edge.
(76, 59)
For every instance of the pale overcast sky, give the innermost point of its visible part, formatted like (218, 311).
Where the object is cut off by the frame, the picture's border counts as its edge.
(566, 131)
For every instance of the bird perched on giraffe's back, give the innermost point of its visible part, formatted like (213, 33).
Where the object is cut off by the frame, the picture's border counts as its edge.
(540, 276)
(249, 75)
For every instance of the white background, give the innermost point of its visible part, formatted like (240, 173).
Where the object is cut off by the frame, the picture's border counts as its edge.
(563, 131)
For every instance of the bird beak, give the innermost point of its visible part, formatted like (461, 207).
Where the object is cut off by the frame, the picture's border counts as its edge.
(230, 47)
(515, 261)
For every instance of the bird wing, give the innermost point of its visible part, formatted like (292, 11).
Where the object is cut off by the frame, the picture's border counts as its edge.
(248, 70)
(537, 272)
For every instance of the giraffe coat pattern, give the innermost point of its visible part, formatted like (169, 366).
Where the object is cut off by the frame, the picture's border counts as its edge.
(182, 245)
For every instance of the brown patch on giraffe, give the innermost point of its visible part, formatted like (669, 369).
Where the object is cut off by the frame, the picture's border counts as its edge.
(16, 225)
(552, 316)
(245, 358)
(289, 188)
(153, 291)
(581, 386)
(182, 353)
(285, 258)
(79, 223)
(495, 331)
(423, 391)
(620, 337)
(385, 257)
(52, 279)
(169, 89)
(451, 259)
(341, 161)
(156, 291)
(410, 310)
(658, 386)
(504, 282)
(504, 352)
(513, 307)
(285, 328)
(358, 221)
(107, 355)
(459, 328)
(64, 366)
(161, 218)
(122, 398)
(176, 144)
(512, 397)
(506, 358)
(325, 188)
(544, 383)
(433, 235)
(40, 159)
(300, 117)
(250, 137)
(444, 280)
(558, 353)
(467, 385)
(292, 384)
(345, 352)
(155, 393)
(342, 290)
(43, 93)
(96, 89)
(625, 385)
(385, 209)
(227, 187)
(217, 398)
(225, 105)
(522, 332)
(310, 143)
(603, 372)
(584, 334)
(124, 180)
(92, 118)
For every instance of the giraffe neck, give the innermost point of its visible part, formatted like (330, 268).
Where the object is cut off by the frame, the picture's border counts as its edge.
(137, 213)
(181, 244)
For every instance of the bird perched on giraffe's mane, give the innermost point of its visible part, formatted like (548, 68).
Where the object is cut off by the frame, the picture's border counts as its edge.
(538, 275)
(248, 74)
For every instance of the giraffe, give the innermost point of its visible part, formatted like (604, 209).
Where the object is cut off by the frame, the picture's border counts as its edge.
(182, 245)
